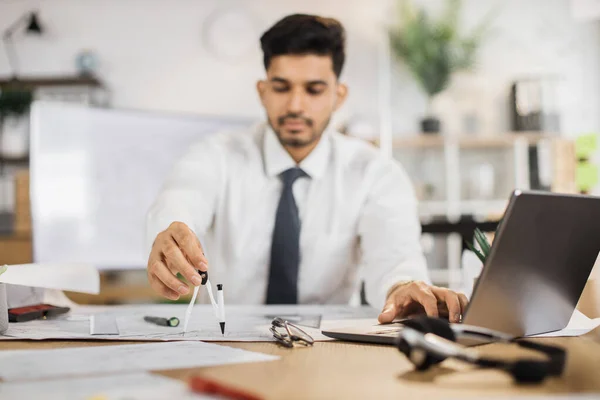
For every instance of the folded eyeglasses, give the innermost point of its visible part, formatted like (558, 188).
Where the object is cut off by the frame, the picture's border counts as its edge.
(289, 334)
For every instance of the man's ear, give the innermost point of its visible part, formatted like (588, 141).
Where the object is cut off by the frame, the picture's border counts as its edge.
(261, 87)
(341, 92)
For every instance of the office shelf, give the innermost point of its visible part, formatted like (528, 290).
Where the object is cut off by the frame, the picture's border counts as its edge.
(483, 208)
(501, 140)
(480, 208)
(459, 176)
(33, 82)
(14, 160)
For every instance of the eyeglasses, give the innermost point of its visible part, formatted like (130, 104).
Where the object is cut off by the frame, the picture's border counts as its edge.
(288, 334)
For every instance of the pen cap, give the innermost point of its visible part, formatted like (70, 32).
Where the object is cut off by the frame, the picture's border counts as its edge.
(3, 309)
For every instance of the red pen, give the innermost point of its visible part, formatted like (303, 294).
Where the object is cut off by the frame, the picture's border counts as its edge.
(206, 386)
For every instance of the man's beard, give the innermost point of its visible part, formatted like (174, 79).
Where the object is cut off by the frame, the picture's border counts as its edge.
(298, 142)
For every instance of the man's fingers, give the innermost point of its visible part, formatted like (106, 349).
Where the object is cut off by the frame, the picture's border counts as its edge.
(175, 250)
(452, 302)
(189, 245)
(161, 289)
(464, 302)
(162, 273)
(425, 297)
(159, 286)
(177, 262)
(389, 313)
(415, 297)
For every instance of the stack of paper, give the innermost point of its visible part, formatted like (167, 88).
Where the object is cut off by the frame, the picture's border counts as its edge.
(73, 277)
(134, 386)
(244, 323)
(99, 360)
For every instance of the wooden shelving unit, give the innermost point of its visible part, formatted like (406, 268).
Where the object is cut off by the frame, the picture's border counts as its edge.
(33, 82)
(505, 139)
(446, 202)
(14, 160)
(85, 89)
(16, 246)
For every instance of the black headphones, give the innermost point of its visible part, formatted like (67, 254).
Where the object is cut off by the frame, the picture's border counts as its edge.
(428, 341)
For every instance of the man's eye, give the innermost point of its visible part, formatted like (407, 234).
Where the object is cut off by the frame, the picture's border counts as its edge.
(314, 91)
(280, 89)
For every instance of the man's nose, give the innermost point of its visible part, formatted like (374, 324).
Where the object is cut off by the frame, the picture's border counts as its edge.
(296, 102)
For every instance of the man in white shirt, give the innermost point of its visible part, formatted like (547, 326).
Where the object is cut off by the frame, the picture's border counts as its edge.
(294, 212)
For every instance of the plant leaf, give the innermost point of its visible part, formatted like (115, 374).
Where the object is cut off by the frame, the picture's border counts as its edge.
(3, 269)
(482, 241)
(477, 252)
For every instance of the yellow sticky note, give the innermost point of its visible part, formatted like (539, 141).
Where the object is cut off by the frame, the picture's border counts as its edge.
(585, 145)
(586, 176)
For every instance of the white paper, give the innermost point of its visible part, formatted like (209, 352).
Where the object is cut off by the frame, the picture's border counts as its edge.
(578, 325)
(73, 277)
(130, 386)
(85, 361)
(244, 323)
(545, 396)
(103, 324)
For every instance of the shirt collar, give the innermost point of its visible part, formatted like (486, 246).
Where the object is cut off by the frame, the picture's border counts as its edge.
(277, 159)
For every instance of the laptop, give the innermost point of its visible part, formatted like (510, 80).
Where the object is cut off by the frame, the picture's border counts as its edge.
(543, 253)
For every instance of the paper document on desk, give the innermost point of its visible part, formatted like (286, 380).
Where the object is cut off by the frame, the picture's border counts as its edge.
(82, 361)
(130, 386)
(545, 396)
(82, 278)
(244, 323)
(579, 325)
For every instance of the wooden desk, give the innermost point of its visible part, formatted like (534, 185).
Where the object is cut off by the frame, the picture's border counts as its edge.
(345, 370)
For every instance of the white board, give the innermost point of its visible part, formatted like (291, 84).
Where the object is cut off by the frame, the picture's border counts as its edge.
(95, 173)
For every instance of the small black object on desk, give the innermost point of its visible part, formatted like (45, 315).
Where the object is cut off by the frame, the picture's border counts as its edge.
(36, 311)
(172, 322)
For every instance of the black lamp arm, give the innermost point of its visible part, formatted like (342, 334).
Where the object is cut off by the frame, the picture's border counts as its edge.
(8, 32)
(8, 45)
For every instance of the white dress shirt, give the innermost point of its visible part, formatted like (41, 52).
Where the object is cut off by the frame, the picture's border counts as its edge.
(357, 209)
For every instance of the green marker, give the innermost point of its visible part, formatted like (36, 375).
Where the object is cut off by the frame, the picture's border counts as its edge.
(172, 322)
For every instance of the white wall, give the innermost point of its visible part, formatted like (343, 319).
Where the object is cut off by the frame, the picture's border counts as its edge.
(152, 53)
(152, 56)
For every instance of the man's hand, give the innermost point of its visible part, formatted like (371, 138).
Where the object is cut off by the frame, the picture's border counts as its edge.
(175, 250)
(418, 298)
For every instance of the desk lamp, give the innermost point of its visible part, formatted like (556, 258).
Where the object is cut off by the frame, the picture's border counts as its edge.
(33, 27)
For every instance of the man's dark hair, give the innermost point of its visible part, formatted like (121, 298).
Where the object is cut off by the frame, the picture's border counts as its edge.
(302, 34)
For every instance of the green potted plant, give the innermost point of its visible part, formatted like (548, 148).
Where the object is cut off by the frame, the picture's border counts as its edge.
(15, 102)
(433, 49)
(14, 123)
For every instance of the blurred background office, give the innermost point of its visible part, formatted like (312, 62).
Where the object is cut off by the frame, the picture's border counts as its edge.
(474, 98)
